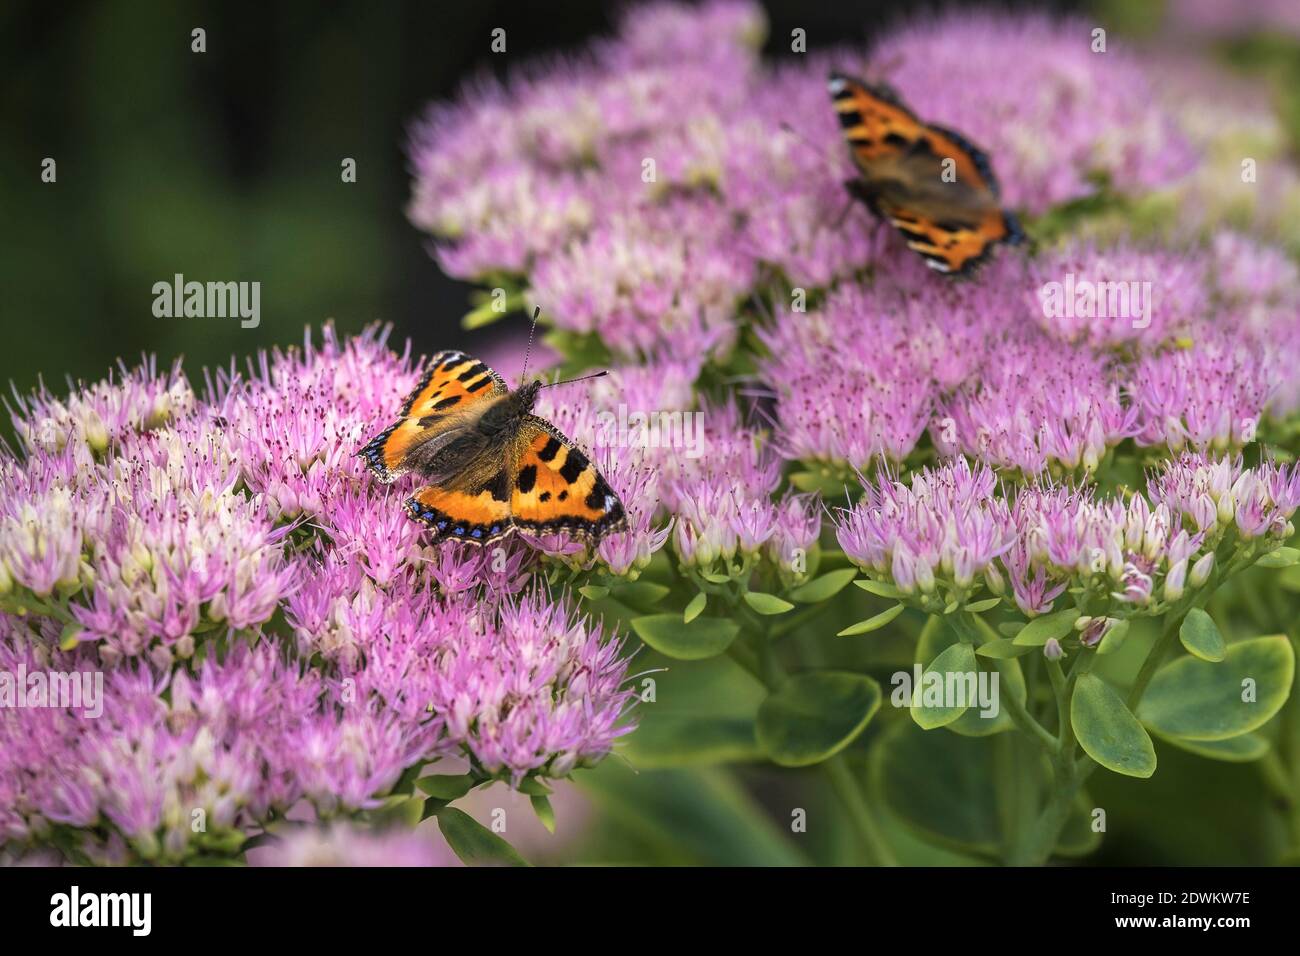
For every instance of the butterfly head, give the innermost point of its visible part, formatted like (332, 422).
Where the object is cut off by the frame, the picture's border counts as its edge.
(525, 396)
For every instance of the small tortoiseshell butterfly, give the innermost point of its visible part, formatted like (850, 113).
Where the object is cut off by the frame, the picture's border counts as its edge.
(493, 467)
(953, 221)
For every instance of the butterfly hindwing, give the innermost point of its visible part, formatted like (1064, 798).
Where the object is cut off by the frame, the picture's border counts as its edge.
(452, 389)
(557, 488)
(953, 221)
(480, 517)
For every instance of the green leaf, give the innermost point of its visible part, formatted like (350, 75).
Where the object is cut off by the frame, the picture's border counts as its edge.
(545, 812)
(1002, 649)
(975, 723)
(828, 485)
(714, 577)
(942, 787)
(1108, 733)
(695, 607)
(640, 594)
(1113, 639)
(765, 603)
(1201, 700)
(593, 591)
(1281, 558)
(879, 588)
(979, 607)
(823, 588)
(1043, 629)
(701, 816)
(1240, 749)
(534, 787)
(959, 660)
(872, 623)
(484, 315)
(703, 637)
(474, 843)
(446, 786)
(1201, 637)
(814, 716)
(687, 740)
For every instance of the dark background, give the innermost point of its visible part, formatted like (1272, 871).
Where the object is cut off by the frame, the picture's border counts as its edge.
(225, 165)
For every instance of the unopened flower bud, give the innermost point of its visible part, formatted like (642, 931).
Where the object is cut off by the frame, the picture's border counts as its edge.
(1174, 581)
(1201, 570)
(1052, 650)
(993, 578)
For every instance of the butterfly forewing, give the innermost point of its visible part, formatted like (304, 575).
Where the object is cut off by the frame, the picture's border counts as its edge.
(452, 389)
(492, 468)
(930, 183)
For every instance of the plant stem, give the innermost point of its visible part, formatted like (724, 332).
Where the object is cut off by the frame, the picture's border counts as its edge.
(848, 788)
(1016, 709)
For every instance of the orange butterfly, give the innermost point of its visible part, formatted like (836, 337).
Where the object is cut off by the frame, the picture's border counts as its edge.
(493, 467)
(931, 184)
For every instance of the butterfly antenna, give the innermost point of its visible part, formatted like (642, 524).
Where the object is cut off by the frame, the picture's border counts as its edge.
(529, 348)
(570, 381)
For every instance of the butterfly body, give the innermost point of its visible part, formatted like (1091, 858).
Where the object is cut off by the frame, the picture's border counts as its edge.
(930, 183)
(492, 466)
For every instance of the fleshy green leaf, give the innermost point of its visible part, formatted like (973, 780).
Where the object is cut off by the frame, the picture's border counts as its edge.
(593, 591)
(957, 659)
(814, 716)
(1281, 558)
(1043, 629)
(872, 623)
(942, 787)
(1200, 635)
(686, 740)
(1201, 700)
(474, 843)
(1241, 749)
(703, 637)
(1113, 639)
(879, 588)
(695, 607)
(534, 787)
(1003, 649)
(823, 588)
(1108, 733)
(640, 594)
(979, 607)
(545, 812)
(446, 786)
(765, 603)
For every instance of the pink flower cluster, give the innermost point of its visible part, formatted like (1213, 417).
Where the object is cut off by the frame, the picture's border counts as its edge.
(951, 530)
(644, 189)
(271, 629)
